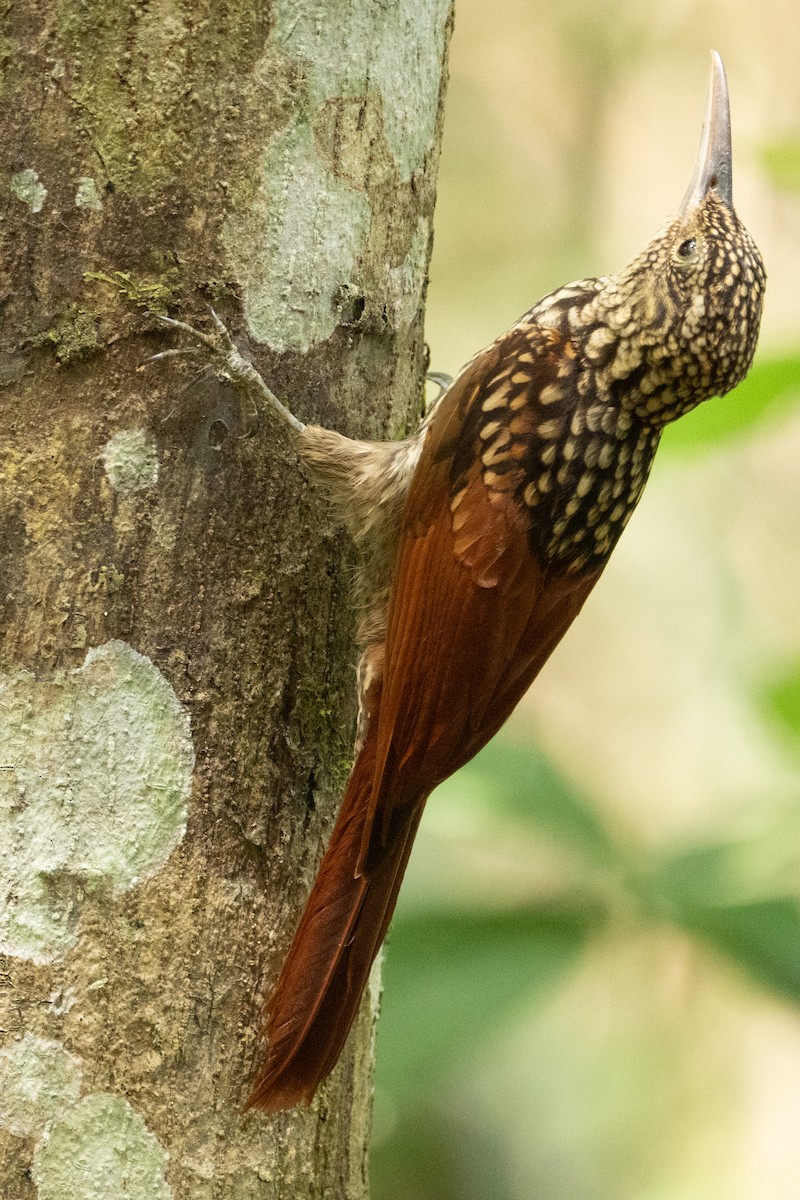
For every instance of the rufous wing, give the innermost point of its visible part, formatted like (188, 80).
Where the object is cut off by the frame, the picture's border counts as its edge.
(474, 612)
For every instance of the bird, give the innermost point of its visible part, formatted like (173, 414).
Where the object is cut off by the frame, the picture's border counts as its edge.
(481, 536)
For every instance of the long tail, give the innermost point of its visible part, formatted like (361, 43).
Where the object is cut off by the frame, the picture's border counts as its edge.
(316, 998)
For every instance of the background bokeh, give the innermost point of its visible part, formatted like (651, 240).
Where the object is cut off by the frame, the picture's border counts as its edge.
(592, 985)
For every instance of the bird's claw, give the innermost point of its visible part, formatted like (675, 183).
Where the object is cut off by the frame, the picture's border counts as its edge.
(232, 365)
(197, 335)
(441, 380)
(179, 351)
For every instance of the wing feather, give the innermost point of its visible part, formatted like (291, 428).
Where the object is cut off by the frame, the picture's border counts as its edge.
(473, 613)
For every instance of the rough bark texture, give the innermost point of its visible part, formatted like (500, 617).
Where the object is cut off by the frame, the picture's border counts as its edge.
(176, 692)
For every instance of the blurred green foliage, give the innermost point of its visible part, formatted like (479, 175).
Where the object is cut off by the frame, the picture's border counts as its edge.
(702, 891)
(453, 979)
(781, 699)
(463, 973)
(781, 161)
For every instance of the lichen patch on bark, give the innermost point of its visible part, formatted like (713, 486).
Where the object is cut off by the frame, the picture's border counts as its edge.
(100, 1147)
(301, 232)
(407, 69)
(95, 771)
(38, 1080)
(131, 461)
(405, 284)
(405, 41)
(87, 195)
(298, 245)
(28, 188)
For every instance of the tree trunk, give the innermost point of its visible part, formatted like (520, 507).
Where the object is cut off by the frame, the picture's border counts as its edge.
(176, 697)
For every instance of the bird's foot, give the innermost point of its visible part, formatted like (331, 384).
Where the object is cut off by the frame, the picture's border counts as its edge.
(441, 380)
(220, 348)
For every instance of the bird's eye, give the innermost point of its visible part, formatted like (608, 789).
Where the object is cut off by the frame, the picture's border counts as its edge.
(687, 248)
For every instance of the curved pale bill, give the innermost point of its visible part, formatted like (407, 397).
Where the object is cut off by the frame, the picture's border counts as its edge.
(713, 168)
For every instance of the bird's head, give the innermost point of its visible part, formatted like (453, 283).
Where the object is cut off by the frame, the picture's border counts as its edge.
(687, 310)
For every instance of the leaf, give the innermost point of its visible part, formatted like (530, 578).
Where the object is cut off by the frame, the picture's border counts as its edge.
(718, 893)
(763, 936)
(773, 383)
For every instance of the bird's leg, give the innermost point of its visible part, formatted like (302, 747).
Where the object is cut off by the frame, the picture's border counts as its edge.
(365, 481)
(223, 351)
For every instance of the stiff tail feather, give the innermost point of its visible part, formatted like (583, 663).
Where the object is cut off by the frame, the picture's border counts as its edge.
(345, 920)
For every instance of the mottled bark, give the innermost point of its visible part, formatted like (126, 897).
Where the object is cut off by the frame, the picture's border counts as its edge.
(176, 707)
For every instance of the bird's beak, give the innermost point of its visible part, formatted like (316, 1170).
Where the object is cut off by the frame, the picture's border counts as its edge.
(713, 170)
